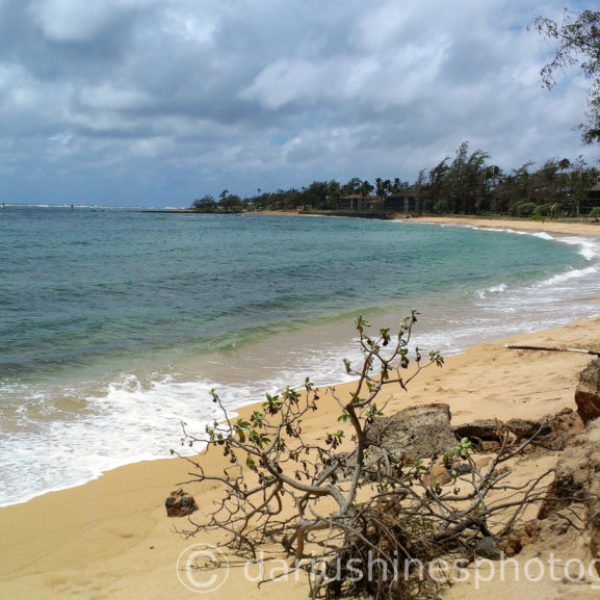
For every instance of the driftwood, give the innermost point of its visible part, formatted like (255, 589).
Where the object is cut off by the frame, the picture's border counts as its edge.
(553, 349)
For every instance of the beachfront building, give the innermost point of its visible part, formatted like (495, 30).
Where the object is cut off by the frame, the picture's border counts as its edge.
(359, 202)
(591, 199)
(405, 201)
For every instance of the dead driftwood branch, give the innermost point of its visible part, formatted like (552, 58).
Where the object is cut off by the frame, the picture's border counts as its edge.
(553, 349)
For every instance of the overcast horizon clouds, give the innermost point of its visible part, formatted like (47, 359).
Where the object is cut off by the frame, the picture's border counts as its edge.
(158, 102)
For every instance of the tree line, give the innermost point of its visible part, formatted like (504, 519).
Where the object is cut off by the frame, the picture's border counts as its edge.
(467, 183)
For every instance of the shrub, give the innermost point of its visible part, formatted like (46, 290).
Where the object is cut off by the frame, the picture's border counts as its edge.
(522, 209)
(328, 501)
(543, 210)
(595, 212)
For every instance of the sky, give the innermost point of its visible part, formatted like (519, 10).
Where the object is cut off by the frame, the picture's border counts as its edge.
(159, 102)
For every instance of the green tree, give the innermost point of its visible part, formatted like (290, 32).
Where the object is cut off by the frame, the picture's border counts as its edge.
(334, 194)
(437, 186)
(230, 202)
(365, 189)
(205, 204)
(578, 40)
(493, 179)
(352, 187)
(316, 195)
(420, 192)
(580, 179)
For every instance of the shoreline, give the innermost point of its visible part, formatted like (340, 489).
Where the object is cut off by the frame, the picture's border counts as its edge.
(549, 226)
(110, 537)
(112, 534)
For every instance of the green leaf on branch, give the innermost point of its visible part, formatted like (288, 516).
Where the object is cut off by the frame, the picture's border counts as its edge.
(273, 404)
(334, 439)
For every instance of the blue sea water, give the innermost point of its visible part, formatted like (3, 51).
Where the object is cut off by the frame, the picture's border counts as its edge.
(114, 324)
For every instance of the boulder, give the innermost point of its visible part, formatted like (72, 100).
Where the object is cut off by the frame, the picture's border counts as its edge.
(180, 504)
(486, 548)
(488, 434)
(416, 432)
(587, 394)
(482, 430)
(524, 428)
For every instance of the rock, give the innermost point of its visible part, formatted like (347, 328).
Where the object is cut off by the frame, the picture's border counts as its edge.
(513, 543)
(524, 428)
(563, 426)
(180, 504)
(488, 430)
(486, 548)
(587, 394)
(491, 447)
(488, 434)
(416, 432)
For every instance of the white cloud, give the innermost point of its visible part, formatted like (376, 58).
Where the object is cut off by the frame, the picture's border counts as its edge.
(265, 93)
(72, 20)
(80, 20)
(114, 97)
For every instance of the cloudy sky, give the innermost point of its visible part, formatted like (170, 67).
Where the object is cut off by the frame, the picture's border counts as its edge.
(158, 102)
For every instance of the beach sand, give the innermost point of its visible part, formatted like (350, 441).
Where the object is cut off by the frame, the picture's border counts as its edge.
(110, 538)
(548, 226)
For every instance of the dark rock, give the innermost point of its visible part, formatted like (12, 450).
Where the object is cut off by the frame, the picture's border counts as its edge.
(488, 430)
(416, 432)
(180, 504)
(524, 428)
(488, 434)
(587, 394)
(486, 548)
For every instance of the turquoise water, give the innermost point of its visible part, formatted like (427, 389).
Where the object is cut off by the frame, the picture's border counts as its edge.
(115, 323)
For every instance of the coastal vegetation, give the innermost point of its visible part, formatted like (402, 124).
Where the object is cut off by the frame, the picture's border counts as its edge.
(467, 183)
(363, 509)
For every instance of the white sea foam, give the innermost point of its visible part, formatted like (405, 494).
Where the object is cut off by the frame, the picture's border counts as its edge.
(567, 276)
(589, 248)
(542, 235)
(130, 422)
(494, 289)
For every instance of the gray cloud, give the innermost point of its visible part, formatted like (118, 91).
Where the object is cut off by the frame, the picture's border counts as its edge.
(160, 101)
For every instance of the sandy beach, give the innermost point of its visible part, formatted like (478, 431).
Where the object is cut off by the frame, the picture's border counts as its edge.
(548, 226)
(110, 538)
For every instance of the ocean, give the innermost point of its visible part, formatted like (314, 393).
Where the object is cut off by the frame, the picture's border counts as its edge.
(115, 324)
